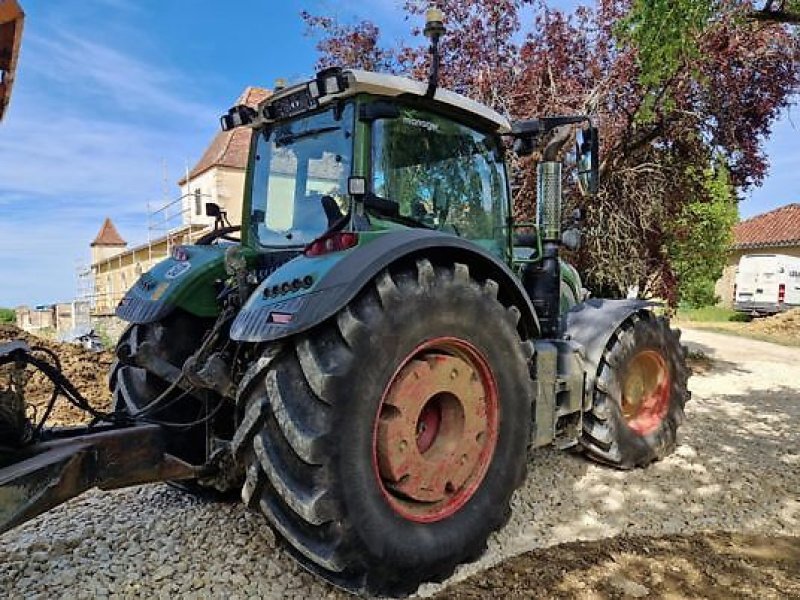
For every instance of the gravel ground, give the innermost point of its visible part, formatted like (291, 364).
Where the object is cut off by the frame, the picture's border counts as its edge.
(737, 469)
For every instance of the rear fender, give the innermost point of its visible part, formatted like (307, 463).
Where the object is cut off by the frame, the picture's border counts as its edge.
(171, 284)
(337, 278)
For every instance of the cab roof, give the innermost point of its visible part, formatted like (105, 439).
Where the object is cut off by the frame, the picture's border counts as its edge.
(380, 84)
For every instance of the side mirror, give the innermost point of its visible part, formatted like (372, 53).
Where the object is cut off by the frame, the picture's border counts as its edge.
(213, 210)
(587, 157)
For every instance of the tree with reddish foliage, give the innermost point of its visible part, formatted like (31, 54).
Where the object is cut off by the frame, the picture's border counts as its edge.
(679, 89)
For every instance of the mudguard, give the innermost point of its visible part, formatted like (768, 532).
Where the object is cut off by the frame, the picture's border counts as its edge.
(591, 324)
(333, 280)
(172, 283)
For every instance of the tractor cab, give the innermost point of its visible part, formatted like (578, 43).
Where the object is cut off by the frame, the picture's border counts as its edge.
(373, 155)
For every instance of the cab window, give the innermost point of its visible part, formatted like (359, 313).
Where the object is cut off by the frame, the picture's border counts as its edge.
(441, 174)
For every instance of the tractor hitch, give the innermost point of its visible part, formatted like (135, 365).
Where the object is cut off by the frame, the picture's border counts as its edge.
(36, 478)
(41, 468)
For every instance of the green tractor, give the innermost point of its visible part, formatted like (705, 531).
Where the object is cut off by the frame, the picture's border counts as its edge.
(370, 356)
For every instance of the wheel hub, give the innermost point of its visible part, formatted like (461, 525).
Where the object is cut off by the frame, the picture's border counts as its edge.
(436, 430)
(645, 391)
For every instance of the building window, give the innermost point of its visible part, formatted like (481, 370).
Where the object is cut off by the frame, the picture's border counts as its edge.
(198, 202)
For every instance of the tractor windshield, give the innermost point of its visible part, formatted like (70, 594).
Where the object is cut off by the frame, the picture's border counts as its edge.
(443, 175)
(300, 179)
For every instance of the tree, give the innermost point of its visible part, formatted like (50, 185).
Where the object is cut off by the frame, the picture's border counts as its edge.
(701, 236)
(676, 86)
(8, 315)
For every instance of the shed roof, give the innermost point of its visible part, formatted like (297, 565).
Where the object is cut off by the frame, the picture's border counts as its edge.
(779, 227)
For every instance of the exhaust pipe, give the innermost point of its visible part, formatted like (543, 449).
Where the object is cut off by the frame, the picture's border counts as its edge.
(547, 288)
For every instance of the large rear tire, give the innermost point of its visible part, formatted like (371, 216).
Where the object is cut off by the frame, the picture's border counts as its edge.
(426, 364)
(639, 396)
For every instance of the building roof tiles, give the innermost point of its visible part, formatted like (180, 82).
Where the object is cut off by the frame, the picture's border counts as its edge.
(779, 227)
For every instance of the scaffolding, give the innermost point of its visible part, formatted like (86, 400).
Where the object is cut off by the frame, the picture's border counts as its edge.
(167, 220)
(179, 221)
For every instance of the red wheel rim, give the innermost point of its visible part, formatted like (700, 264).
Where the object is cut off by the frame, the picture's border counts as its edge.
(436, 430)
(645, 391)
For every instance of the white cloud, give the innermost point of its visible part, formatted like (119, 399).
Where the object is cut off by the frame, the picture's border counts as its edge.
(84, 138)
(71, 63)
(73, 157)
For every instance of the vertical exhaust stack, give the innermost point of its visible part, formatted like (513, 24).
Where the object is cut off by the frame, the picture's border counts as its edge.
(547, 295)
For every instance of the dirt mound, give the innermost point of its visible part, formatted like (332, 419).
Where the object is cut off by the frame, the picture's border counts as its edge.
(704, 565)
(783, 324)
(88, 372)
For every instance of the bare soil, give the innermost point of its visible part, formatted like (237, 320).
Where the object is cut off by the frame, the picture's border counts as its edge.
(783, 328)
(783, 325)
(703, 565)
(88, 371)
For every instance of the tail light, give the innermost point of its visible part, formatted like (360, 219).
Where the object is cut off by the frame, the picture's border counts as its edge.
(332, 242)
(781, 293)
(180, 253)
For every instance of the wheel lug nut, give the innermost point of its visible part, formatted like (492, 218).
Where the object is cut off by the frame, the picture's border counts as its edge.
(403, 445)
(453, 374)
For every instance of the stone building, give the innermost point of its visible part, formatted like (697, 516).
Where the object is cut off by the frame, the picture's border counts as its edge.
(775, 232)
(56, 318)
(217, 177)
(219, 174)
(115, 267)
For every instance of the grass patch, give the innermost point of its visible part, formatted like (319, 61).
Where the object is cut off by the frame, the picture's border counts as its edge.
(775, 338)
(710, 314)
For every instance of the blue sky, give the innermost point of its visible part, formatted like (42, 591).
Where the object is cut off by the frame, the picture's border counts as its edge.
(109, 91)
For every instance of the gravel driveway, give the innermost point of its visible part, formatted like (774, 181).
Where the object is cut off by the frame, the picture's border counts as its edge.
(737, 468)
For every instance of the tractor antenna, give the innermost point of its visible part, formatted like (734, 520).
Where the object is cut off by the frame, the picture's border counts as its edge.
(434, 30)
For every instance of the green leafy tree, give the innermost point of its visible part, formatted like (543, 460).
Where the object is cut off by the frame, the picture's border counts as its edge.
(7, 315)
(702, 234)
(665, 34)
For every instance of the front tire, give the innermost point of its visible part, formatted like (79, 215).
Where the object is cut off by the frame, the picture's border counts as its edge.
(175, 339)
(639, 396)
(425, 362)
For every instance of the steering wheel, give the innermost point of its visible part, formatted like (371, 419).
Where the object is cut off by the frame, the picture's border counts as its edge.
(223, 233)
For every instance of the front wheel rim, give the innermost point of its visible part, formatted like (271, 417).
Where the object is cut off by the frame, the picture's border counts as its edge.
(646, 389)
(436, 430)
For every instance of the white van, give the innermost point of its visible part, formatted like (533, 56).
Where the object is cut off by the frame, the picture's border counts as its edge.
(767, 283)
